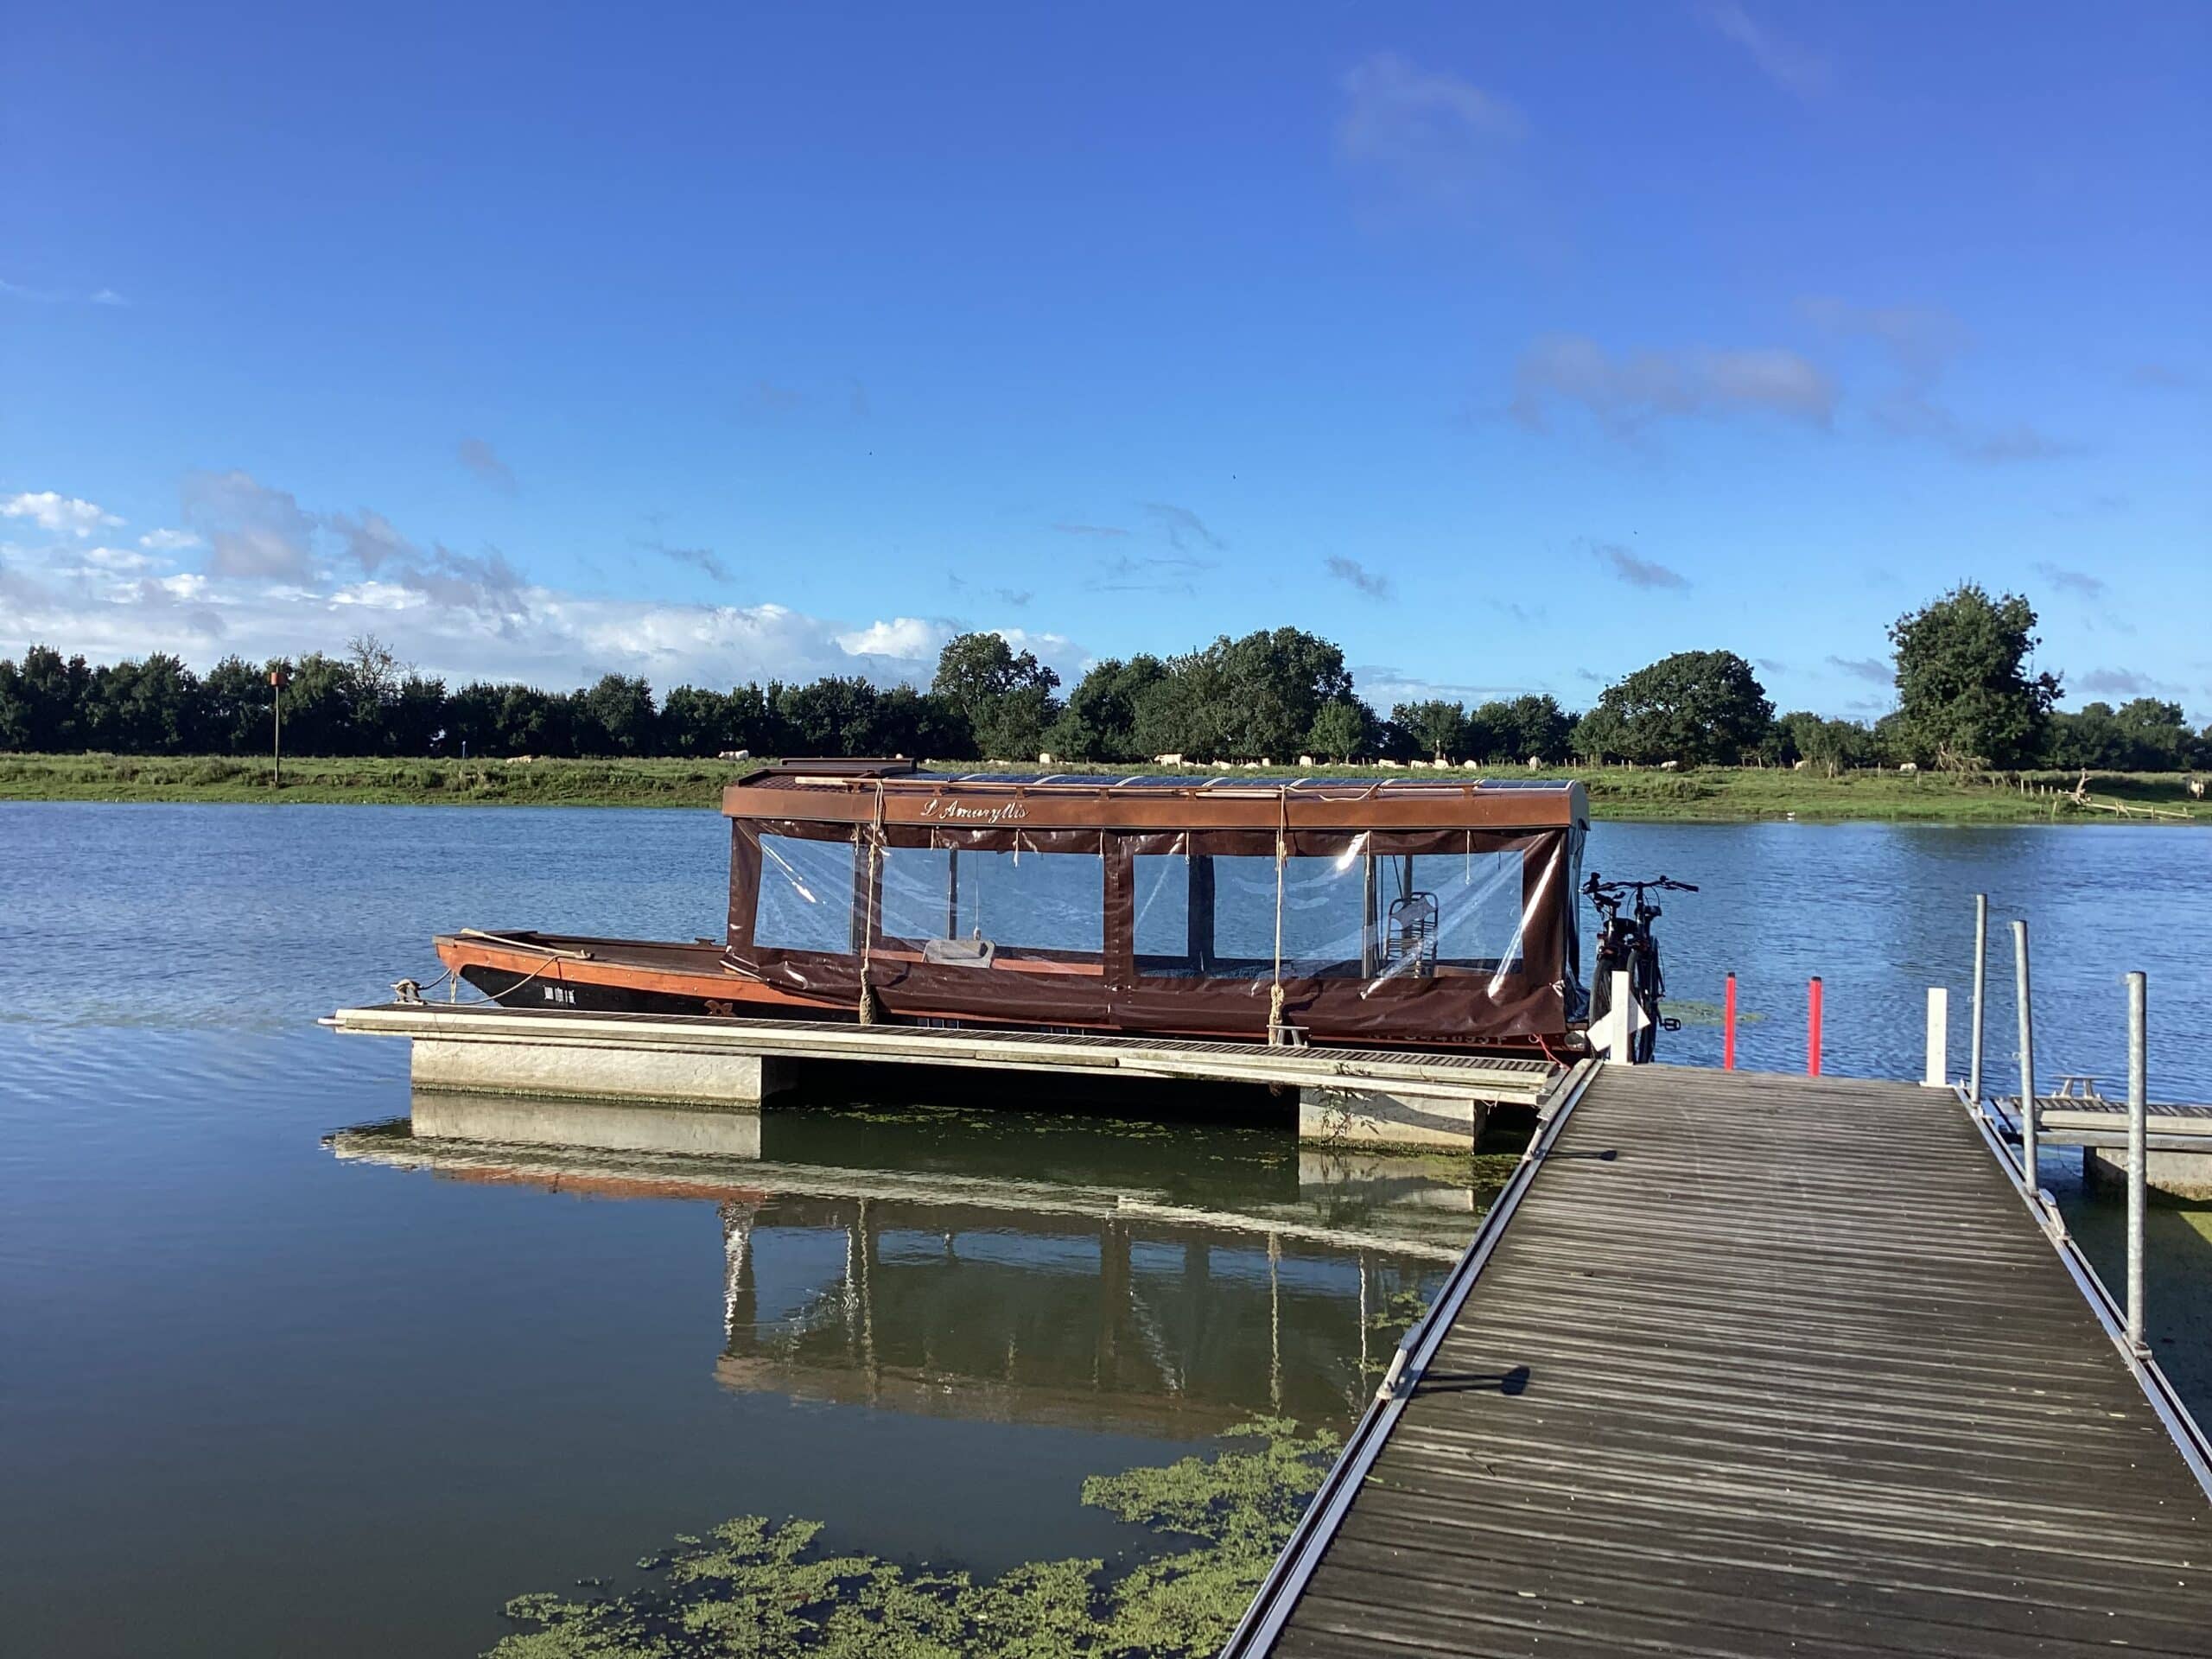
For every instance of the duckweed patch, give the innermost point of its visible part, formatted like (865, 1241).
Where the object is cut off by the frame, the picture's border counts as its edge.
(762, 1588)
(1693, 1013)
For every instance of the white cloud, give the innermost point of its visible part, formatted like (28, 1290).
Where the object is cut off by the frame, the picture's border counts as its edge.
(62, 514)
(1788, 65)
(1625, 393)
(1920, 343)
(169, 540)
(121, 559)
(253, 529)
(1427, 135)
(909, 637)
(279, 580)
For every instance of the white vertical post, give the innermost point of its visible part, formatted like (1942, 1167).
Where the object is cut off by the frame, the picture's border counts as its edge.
(1617, 1016)
(1939, 1037)
(2138, 1151)
(1980, 989)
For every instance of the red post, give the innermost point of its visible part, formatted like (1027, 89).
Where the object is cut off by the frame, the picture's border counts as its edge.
(1728, 1028)
(1813, 1031)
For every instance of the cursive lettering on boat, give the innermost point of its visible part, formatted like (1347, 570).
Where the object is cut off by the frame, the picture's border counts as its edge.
(949, 808)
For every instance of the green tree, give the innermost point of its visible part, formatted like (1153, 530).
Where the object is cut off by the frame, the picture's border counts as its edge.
(619, 718)
(42, 703)
(1965, 697)
(1697, 707)
(473, 719)
(1343, 729)
(2157, 735)
(695, 722)
(1438, 728)
(1539, 728)
(832, 715)
(1100, 720)
(1004, 696)
(414, 716)
(148, 708)
(234, 704)
(319, 707)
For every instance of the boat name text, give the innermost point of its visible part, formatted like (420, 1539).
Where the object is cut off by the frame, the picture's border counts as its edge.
(948, 810)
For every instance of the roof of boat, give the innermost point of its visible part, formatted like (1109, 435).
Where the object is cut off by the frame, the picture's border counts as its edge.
(1440, 796)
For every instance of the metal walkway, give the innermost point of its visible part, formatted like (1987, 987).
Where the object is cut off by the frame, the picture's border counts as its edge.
(1751, 1366)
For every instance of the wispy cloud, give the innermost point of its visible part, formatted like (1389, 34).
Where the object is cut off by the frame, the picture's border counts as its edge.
(59, 297)
(1792, 67)
(2119, 683)
(1017, 598)
(1624, 566)
(1626, 393)
(482, 459)
(1183, 529)
(169, 540)
(1090, 530)
(1166, 574)
(699, 558)
(1425, 136)
(1922, 342)
(1353, 574)
(1872, 670)
(62, 514)
(2078, 582)
(2161, 377)
(253, 531)
(1382, 684)
(778, 399)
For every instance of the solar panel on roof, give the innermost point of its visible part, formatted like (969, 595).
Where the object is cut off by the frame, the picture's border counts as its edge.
(1215, 780)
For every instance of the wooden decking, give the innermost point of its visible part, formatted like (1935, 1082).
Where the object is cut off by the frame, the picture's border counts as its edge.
(1751, 1366)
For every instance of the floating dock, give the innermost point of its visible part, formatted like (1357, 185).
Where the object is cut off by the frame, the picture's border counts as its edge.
(1353, 1096)
(1742, 1366)
(2176, 1148)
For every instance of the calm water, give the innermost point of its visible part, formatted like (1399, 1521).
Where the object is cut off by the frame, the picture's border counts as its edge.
(276, 1376)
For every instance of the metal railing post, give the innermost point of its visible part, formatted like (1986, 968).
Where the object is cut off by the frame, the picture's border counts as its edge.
(2027, 1057)
(2139, 1150)
(1980, 990)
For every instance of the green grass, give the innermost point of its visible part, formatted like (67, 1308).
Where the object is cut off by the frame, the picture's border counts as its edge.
(1715, 794)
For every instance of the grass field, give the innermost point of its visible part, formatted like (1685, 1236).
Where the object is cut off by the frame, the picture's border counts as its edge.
(1713, 794)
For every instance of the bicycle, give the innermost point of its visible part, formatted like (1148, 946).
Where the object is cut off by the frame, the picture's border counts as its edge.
(1626, 945)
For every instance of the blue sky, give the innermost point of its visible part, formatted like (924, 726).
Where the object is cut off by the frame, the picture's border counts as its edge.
(1509, 347)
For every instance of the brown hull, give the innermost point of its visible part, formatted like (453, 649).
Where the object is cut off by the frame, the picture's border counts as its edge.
(528, 970)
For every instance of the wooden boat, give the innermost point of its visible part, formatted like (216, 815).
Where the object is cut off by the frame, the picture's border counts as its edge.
(1412, 911)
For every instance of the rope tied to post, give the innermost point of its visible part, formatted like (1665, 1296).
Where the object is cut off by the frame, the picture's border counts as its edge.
(866, 1010)
(1276, 1034)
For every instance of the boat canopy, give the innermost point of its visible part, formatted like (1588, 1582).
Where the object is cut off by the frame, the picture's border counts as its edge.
(1421, 911)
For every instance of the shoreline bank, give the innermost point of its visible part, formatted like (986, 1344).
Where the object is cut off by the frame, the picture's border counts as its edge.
(1709, 794)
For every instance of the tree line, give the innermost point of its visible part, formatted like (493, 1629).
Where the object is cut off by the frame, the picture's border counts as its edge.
(1966, 700)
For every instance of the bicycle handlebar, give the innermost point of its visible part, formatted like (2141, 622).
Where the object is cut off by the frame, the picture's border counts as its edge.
(1594, 886)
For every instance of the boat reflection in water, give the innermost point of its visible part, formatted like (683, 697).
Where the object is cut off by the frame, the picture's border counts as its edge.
(1163, 1279)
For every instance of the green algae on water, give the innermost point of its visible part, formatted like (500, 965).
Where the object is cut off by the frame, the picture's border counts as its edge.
(762, 1589)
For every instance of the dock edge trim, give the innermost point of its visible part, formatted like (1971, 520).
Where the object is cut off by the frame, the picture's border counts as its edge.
(2188, 1436)
(1286, 1581)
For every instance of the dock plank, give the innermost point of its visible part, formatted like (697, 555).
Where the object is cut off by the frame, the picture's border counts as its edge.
(1723, 1389)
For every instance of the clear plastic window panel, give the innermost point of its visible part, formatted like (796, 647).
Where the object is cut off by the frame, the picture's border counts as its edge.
(1324, 915)
(1450, 909)
(1017, 901)
(1162, 900)
(805, 901)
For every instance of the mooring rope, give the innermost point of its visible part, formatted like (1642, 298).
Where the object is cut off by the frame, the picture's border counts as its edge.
(1282, 852)
(866, 1010)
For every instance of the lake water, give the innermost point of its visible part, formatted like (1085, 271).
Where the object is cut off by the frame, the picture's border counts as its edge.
(276, 1376)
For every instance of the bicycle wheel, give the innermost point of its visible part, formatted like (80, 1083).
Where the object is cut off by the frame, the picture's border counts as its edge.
(1643, 987)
